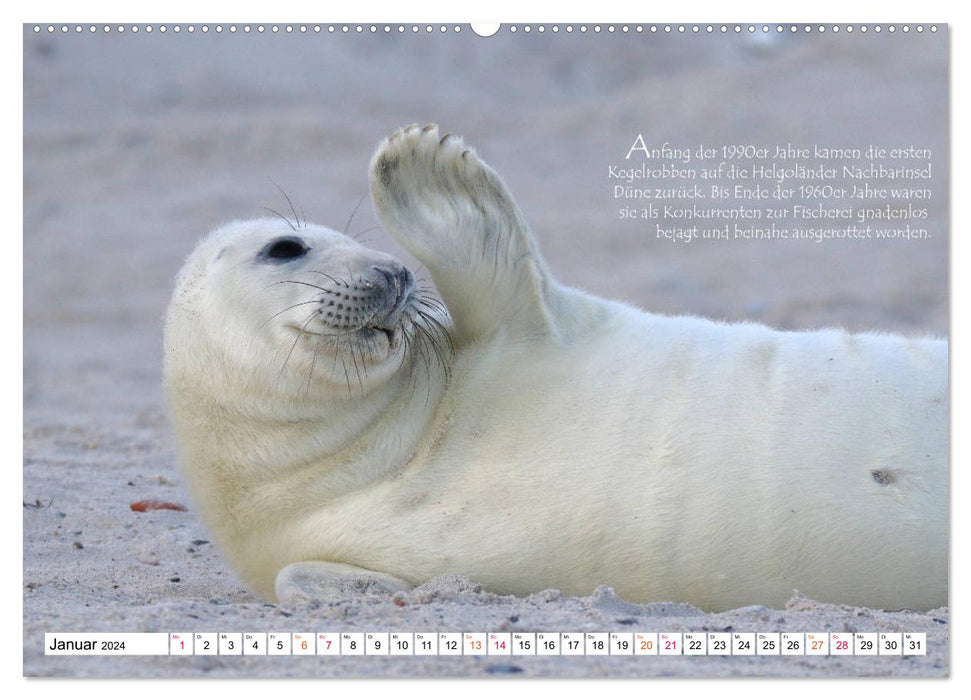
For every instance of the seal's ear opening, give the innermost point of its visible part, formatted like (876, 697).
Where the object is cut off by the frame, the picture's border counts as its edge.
(283, 249)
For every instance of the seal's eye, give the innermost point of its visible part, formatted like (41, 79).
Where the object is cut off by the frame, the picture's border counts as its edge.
(283, 249)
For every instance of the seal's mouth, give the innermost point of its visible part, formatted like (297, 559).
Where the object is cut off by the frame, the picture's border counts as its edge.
(362, 336)
(342, 341)
(391, 324)
(368, 333)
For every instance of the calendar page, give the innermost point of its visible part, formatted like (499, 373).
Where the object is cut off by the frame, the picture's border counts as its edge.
(519, 350)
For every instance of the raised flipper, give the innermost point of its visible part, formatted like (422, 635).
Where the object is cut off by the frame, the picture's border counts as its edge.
(455, 214)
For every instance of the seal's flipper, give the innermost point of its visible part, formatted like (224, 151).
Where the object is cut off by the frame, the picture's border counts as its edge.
(455, 214)
(319, 580)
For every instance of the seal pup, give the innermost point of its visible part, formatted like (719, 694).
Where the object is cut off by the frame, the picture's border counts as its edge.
(336, 423)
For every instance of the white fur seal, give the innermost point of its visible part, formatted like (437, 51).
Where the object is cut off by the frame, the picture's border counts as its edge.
(334, 421)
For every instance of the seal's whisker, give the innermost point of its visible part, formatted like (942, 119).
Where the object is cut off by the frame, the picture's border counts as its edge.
(423, 332)
(292, 208)
(306, 284)
(374, 351)
(356, 368)
(289, 223)
(351, 217)
(434, 312)
(332, 279)
(313, 363)
(438, 328)
(421, 349)
(433, 305)
(434, 308)
(427, 291)
(425, 297)
(442, 360)
(357, 236)
(337, 348)
(413, 375)
(295, 341)
(338, 336)
(405, 347)
(302, 303)
(431, 318)
(347, 376)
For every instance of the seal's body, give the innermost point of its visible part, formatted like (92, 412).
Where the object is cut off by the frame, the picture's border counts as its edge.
(539, 437)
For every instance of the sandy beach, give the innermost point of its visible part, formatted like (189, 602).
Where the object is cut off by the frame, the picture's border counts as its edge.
(135, 146)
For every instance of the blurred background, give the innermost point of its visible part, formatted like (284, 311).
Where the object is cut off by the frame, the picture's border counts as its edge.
(136, 145)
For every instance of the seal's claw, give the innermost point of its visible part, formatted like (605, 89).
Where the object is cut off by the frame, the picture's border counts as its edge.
(423, 187)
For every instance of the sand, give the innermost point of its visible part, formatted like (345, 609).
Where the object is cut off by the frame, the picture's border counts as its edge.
(135, 146)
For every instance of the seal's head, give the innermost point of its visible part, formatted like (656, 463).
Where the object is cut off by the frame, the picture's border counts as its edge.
(297, 364)
(293, 314)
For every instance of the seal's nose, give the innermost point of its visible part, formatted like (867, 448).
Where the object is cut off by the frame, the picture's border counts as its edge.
(398, 283)
(399, 279)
